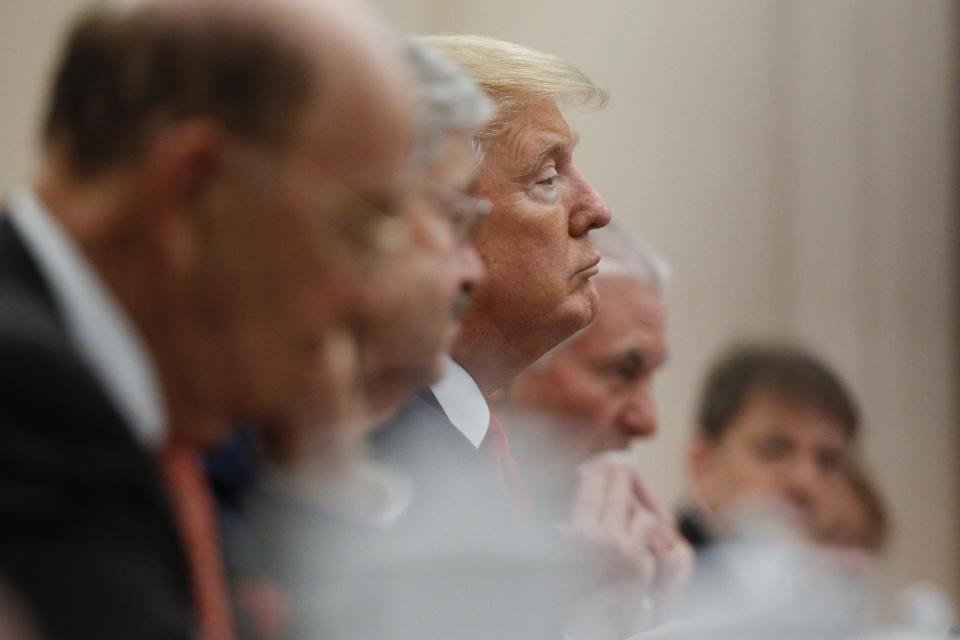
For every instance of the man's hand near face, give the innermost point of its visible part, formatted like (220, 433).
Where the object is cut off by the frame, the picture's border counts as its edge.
(639, 544)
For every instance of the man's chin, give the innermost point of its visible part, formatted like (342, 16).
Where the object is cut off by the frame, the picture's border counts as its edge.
(588, 302)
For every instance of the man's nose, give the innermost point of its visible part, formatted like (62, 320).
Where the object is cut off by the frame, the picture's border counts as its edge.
(803, 482)
(639, 413)
(589, 211)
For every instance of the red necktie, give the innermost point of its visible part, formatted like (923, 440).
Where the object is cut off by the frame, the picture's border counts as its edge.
(496, 449)
(195, 512)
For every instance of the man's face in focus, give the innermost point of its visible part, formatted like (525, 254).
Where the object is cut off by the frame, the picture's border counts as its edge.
(420, 292)
(599, 386)
(773, 449)
(534, 244)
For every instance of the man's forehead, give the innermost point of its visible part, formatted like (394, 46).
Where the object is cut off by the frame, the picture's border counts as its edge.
(546, 139)
(619, 327)
(537, 131)
(782, 413)
(630, 299)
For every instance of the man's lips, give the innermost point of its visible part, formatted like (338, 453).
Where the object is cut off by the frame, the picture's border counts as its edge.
(590, 270)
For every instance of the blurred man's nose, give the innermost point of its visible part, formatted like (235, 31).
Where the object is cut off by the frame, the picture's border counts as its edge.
(472, 269)
(803, 482)
(589, 211)
(639, 414)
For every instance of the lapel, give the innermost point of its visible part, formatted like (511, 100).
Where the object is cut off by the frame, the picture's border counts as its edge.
(20, 279)
(421, 433)
(451, 476)
(64, 437)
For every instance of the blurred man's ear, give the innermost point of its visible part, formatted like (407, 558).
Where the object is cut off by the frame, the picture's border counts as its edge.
(181, 170)
(183, 160)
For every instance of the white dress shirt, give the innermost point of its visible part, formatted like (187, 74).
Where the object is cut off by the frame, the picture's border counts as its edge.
(97, 324)
(461, 399)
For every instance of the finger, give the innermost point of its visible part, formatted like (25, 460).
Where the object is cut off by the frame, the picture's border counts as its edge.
(591, 493)
(648, 527)
(620, 504)
(645, 496)
(667, 530)
(676, 568)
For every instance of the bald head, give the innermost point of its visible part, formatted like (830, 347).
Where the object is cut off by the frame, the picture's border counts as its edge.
(251, 65)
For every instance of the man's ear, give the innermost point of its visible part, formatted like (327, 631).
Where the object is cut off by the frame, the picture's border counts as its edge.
(184, 159)
(182, 168)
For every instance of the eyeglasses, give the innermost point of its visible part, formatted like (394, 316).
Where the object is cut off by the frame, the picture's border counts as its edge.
(465, 212)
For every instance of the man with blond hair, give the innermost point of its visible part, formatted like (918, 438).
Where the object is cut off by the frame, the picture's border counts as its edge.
(539, 262)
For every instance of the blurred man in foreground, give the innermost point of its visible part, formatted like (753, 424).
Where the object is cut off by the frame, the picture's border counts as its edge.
(775, 428)
(328, 534)
(217, 179)
(417, 291)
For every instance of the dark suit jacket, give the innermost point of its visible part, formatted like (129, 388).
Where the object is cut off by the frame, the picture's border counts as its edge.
(449, 473)
(693, 526)
(87, 539)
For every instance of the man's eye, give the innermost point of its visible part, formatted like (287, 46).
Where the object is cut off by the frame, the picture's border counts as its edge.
(548, 178)
(628, 368)
(627, 372)
(829, 461)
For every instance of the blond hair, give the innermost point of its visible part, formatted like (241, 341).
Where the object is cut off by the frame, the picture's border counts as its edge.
(512, 75)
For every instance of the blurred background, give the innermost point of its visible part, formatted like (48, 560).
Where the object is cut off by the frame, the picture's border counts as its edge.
(796, 163)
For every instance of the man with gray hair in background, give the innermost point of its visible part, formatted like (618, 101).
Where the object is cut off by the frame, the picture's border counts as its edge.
(592, 395)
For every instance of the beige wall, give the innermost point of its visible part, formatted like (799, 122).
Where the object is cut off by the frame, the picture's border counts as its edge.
(794, 161)
(29, 31)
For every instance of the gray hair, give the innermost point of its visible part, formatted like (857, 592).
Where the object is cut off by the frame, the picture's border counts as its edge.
(622, 254)
(451, 101)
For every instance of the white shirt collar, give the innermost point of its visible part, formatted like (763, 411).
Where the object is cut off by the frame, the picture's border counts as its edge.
(461, 399)
(96, 323)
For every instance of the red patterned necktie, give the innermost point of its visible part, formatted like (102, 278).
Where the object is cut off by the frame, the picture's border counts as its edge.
(496, 449)
(195, 511)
